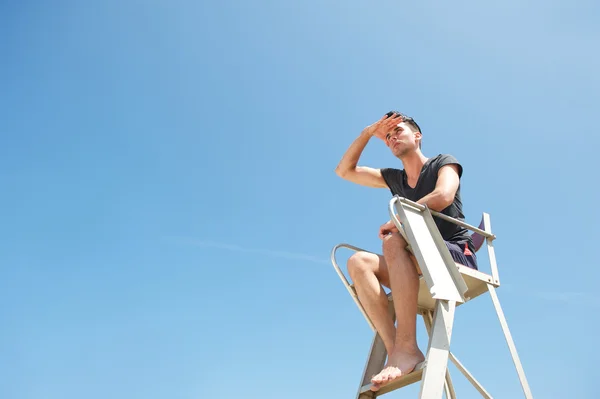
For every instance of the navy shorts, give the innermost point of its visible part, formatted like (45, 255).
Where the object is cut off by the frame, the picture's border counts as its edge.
(462, 254)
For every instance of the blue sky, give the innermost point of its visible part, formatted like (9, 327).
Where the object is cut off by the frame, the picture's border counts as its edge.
(169, 197)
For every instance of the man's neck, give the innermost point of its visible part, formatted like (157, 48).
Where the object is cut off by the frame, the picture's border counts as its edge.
(413, 163)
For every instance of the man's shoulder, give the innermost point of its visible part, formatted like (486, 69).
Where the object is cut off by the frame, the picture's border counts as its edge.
(444, 159)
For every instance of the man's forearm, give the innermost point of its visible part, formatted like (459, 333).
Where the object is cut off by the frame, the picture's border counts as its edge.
(445, 189)
(350, 159)
(436, 200)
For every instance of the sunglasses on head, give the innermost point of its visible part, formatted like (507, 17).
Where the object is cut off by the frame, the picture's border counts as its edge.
(404, 117)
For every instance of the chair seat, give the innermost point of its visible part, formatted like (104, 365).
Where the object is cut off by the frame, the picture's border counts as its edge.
(476, 281)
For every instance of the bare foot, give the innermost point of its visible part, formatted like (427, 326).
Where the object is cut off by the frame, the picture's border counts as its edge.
(399, 364)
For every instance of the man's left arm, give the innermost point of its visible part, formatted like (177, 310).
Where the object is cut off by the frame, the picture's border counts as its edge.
(445, 189)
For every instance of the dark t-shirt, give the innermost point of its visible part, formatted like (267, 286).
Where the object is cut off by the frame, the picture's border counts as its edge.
(397, 182)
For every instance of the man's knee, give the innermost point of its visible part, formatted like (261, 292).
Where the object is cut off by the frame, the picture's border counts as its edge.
(393, 242)
(360, 263)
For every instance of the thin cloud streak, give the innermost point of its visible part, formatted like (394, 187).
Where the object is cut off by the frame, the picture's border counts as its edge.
(258, 251)
(575, 298)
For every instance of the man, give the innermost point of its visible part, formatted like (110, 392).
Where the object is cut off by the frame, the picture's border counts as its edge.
(434, 182)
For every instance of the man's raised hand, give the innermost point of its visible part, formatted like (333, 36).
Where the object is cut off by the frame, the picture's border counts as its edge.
(381, 128)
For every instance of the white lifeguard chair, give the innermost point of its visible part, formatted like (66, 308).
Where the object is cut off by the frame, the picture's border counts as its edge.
(443, 286)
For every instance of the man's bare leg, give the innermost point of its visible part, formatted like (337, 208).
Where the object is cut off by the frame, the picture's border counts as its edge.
(404, 280)
(368, 273)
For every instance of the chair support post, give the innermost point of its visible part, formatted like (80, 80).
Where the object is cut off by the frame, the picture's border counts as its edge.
(490, 247)
(448, 386)
(434, 374)
(510, 342)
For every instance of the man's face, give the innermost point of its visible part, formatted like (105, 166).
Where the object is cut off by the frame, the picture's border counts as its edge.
(402, 139)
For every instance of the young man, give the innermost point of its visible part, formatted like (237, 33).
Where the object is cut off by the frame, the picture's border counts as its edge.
(434, 182)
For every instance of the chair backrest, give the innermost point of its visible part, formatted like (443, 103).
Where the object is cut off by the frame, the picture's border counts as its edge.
(477, 238)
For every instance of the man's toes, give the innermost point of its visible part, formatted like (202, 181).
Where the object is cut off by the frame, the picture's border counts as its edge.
(396, 374)
(385, 376)
(379, 376)
(390, 375)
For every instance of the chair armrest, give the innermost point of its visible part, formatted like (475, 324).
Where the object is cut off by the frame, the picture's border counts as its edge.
(467, 226)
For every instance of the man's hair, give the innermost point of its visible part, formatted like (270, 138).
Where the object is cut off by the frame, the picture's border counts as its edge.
(409, 121)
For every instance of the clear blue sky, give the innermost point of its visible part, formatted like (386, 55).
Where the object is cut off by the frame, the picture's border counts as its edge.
(169, 198)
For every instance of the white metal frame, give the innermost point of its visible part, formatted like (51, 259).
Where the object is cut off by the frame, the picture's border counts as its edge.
(441, 290)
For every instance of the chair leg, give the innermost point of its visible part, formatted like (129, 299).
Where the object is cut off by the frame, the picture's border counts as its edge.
(434, 374)
(449, 388)
(509, 341)
(448, 385)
